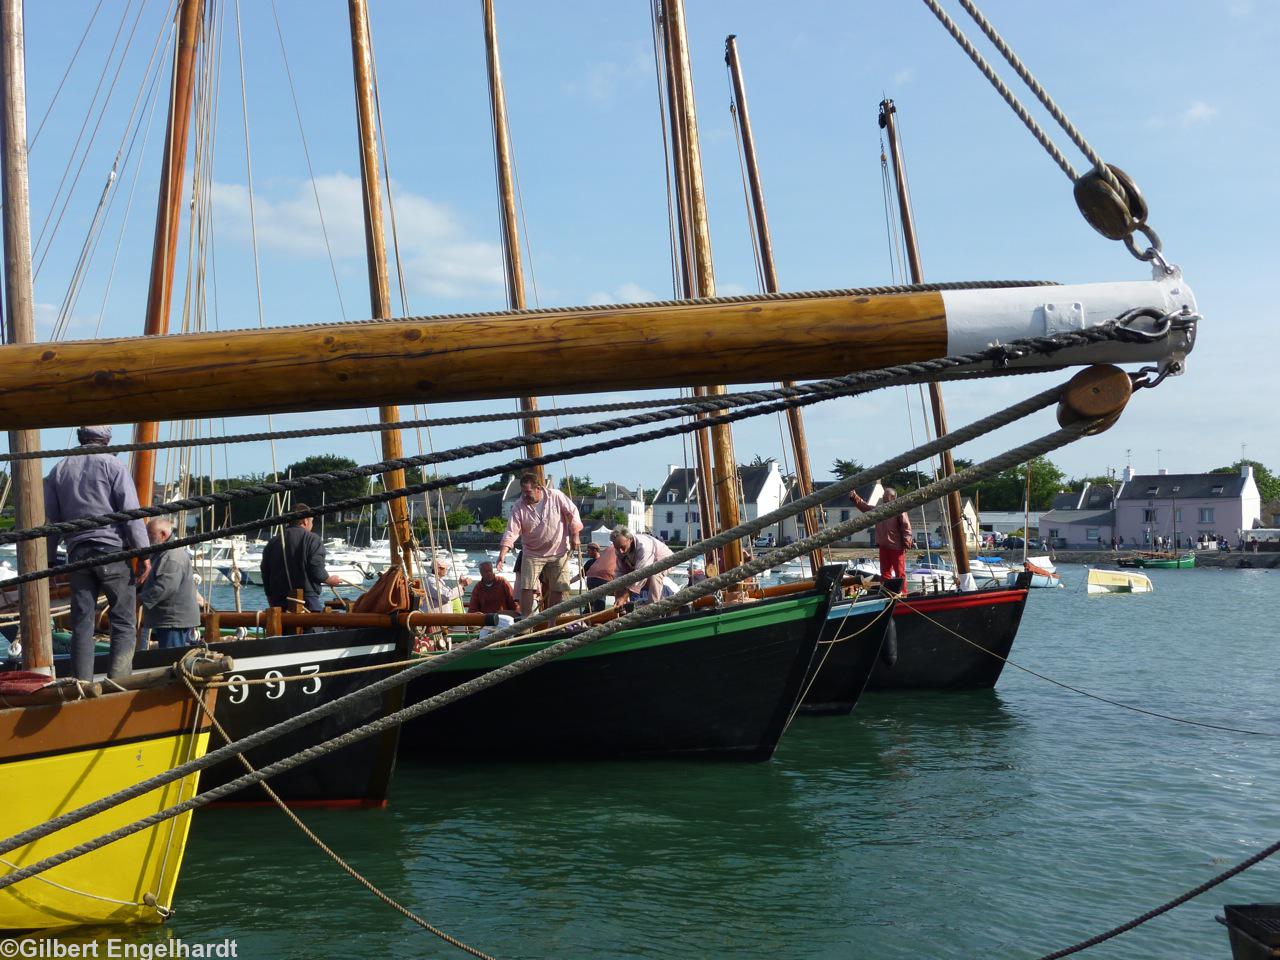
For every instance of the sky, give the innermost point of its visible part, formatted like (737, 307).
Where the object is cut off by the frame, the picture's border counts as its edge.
(1182, 100)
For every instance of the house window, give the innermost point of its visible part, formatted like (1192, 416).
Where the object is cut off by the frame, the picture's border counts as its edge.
(1152, 491)
(844, 515)
(671, 516)
(1053, 533)
(665, 535)
(1090, 533)
(1216, 490)
(1177, 515)
(671, 496)
(1149, 516)
(1206, 514)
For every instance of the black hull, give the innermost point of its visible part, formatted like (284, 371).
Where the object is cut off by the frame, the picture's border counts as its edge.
(932, 657)
(725, 695)
(848, 652)
(357, 775)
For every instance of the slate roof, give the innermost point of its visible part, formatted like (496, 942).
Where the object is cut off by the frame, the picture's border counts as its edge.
(1101, 518)
(1184, 486)
(1067, 500)
(684, 481)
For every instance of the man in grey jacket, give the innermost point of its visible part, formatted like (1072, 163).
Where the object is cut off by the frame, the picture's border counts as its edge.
(169, 600)
(84, 486)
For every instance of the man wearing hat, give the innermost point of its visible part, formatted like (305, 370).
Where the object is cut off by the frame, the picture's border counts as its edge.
(87, 485)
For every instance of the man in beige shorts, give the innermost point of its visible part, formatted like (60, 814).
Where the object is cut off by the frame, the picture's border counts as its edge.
(547, 524)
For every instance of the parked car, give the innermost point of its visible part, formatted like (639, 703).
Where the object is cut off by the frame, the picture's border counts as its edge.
(1011, 543)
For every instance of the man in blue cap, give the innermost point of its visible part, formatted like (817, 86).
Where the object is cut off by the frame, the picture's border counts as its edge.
(87, 485)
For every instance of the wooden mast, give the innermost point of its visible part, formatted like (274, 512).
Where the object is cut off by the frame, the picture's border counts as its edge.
(28, 501)
(725, 464)
(164, 248)
(507, 205)
(688, 281)
(959, 545)
(379, 277)
(804, 477)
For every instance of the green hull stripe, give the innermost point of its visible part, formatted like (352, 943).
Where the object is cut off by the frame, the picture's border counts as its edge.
(751, 617)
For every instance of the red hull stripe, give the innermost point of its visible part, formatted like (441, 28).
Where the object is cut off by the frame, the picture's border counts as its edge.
(910, 605)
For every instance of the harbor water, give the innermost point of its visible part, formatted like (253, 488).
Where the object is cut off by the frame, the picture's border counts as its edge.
(1002, 823)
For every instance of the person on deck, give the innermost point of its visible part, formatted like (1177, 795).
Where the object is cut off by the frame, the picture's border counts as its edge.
(171, 606)
(437, 595)
(294, 560)
(547, 524)
(893, 536)
(635, 552)
(492, 594)
(603, 568)
(86, 486)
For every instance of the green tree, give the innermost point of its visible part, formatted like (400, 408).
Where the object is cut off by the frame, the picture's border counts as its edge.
(462, 517)
(576, 486)
(495, 525)
(1007, 489)
(333, 489)
(499, 484)
(650, 494)
(610, 516)
(1268, 483)
(846, 468)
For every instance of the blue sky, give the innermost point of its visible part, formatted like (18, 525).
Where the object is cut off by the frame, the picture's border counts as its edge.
(1182, 99)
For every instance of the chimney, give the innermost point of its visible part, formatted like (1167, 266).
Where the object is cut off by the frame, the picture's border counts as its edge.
(1163, 472)
(1246, 471)
(672, 468)
(1128, 474)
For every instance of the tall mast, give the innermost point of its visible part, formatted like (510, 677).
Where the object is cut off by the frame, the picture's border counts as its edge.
(33, 598)
(959, 547)
(507, 205)
(685, 264)
(804, 478)
(376, 250)
(725, 465)
(164, 248)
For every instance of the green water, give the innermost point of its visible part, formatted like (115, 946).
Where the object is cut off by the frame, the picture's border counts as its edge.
(998, 824)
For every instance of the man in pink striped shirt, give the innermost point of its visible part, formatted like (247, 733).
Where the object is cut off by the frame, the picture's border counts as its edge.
(547, 524)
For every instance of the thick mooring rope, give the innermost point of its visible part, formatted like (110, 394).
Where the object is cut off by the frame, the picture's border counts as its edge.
(840, 487)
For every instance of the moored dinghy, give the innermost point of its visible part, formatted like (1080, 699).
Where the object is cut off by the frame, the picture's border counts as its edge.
(1118, 581)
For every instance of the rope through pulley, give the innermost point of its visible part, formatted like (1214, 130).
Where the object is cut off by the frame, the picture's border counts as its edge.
(1107, 197)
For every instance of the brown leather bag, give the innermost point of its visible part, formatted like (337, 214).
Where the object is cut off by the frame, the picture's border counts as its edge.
(389, 594)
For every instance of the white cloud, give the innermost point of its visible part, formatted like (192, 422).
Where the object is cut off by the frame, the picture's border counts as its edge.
(439, 258)
(626, 293)
(1196, 113)
(78, 327)
(603, 77)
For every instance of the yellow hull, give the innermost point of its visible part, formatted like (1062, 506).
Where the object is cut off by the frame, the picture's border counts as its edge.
(131, 880)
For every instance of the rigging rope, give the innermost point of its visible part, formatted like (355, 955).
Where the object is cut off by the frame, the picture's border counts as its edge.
(851, 383)
(706, 587)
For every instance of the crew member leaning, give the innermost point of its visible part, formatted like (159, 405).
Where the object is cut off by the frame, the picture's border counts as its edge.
(547, 524)
(83, 486)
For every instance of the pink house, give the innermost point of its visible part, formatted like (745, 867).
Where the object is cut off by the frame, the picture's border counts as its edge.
(1186, 505)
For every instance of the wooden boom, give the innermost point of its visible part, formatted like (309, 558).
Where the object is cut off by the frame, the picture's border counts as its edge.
(581, 350)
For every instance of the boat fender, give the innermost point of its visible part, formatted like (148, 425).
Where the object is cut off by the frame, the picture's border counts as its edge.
(889, 649)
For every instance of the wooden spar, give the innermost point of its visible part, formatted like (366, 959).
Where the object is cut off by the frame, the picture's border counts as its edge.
(28, 501)
(379, 278)
(507, 205)
(804, 477)
(725, 463)
(326, 367)
(685, 263)
(959, 545)
(164, 248)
